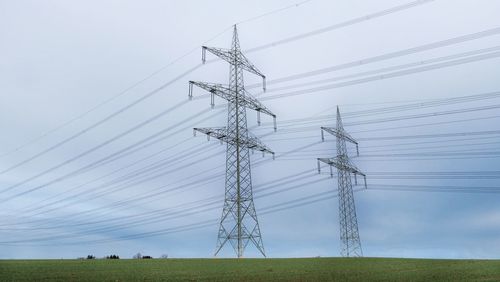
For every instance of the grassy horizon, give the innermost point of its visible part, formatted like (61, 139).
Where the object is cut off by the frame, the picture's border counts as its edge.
(251, 269)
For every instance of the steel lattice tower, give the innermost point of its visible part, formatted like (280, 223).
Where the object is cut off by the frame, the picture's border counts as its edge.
(238, 224)
(349, 233)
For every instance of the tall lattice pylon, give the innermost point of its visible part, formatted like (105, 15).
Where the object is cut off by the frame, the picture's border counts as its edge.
(349, 233)
(238, 224)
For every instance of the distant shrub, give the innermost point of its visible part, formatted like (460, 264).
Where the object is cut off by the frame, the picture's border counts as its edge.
(147, 257)
(90, 257)
(113, 257)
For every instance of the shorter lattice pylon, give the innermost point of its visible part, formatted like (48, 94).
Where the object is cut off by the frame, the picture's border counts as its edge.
(349, 232)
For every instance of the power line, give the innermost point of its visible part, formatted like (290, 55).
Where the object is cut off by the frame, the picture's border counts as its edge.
(172, 214)
(281, 95)
(387, 56)
(414, 150)
(439, 135)
(432, 142)
(391, 68)
(434, 114)
(192, 185)
(107, 118)
(405, 107)
(274, 208)
(155, 154)
(367, 17)
(442, 189)
(386, 76)
(95, 163)
(433, 154)
(468, 145)
(120, 183)
(147, 216)
(116, 137)
(272, 12)
(154, 73)
(393, 119)
(427, 124)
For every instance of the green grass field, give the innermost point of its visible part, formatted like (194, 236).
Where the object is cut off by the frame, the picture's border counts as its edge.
(303, 269)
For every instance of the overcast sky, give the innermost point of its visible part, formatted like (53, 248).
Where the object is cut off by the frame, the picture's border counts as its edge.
(83, 81)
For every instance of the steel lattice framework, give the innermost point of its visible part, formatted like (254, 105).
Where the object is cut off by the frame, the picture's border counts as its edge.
(238, 224)
(349, 233)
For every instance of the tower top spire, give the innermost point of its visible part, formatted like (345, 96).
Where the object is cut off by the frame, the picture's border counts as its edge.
(236, 41)
(340, 126)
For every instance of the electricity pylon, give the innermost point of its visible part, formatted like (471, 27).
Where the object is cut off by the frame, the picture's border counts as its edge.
(238, 224)
(349, 233)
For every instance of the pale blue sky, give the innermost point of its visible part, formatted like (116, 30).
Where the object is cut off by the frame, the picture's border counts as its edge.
(61, 59)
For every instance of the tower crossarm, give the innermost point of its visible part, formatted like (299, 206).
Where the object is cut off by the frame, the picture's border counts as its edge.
(245, 64)
(342, 164)
(226, 93)
(251, 142)
(234, 57)
(339, 134)
(225, 54)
